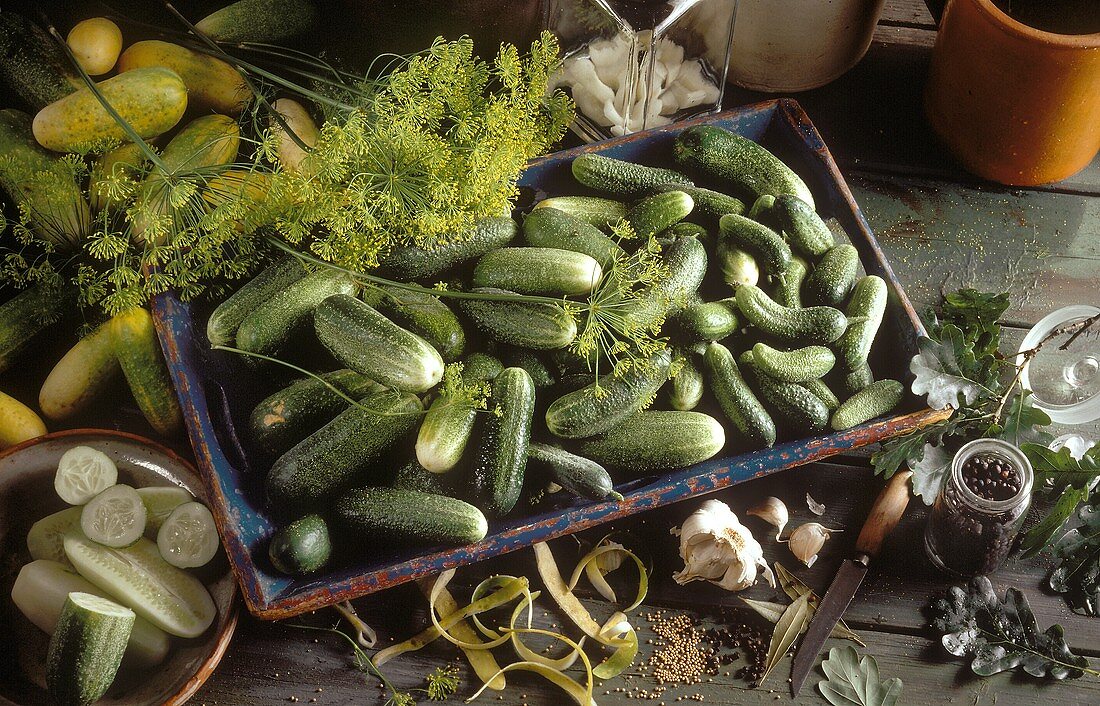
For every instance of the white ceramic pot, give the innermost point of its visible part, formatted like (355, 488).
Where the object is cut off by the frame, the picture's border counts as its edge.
(794, 45)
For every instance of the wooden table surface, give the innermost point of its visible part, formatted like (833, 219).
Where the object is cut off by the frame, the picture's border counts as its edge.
(941, 229)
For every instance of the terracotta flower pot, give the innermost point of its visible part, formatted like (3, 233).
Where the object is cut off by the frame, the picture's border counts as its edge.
(1013, 103)
(795, 45)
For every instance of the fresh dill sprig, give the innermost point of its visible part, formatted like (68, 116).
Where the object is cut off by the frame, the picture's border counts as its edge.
(442, 682)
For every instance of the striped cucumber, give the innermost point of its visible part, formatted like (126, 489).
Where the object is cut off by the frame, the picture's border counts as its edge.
(409, 262)
(657, 441)
(134, 339)
(551, 228)
(709, 321)
(535, 325)
(444, 432)
(655, 213)
(624, 179)
(27, 315)
(267, 328)
(399, 516)
(736, 398)
(221, 327)
(709, 205)
(593, 210)
(686, 386)
(86, 649)
(428, 317)
(542, 271)
(501, 459)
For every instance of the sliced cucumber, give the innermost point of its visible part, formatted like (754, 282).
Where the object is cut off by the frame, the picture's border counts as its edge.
(86, 648)
(44, 540)
(169, 598)
(188, 538)
(115, 517)
(39, 593)
(84, 473)
(160, 501)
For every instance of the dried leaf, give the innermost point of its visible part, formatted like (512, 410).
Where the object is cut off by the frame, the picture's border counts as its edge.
(773, 611)
(795, 588)
(790, 625)
(815, 507)
(855, 682)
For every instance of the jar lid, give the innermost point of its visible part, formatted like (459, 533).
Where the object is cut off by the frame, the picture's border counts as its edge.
(1064, 383)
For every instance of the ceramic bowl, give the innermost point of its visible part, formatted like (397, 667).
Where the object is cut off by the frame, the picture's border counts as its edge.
(27, 494)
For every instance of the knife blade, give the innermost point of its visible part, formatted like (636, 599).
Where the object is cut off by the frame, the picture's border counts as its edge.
(881, 521)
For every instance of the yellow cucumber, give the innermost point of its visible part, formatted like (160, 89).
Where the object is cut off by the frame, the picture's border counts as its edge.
(151, 100)
(213, 85)
(242, 193)
(124, 161)
(291, 155)
(95, 43)
(205, 142)
(135, 342)
(18, 422)
(79, 376)
(42, 184)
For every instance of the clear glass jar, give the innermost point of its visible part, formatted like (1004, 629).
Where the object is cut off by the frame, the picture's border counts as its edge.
(969, 533)
(1064, 375)
(636, 64)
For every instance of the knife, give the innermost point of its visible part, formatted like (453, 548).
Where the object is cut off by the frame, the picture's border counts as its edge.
(883, 518)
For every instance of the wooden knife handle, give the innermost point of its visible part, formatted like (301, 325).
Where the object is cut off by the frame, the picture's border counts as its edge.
(885, 515)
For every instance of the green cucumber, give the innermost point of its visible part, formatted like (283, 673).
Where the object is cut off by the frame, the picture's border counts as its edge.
(221, 327)
(138, 577)
(267, 21)
(535, 325)
(444, 432)
(788, 285)
(363, 339)
(480, 367)
(833, 276)
(593, 210)
(761, 209)
(709, 204)
(27, 315)
(815, 324)
(40, 591)
(865, 310)
(45, 537)
(541, 373)
(798, 365)
(301, 547)
(137, 348)
(428, 317)
(413, 476)
(601, 405)
(764, 243)
(686, 263)
(542, 271)
(686, 229)
(32, 64)
(577, 474)
(321, 464)
(551, 228)
(744, 165)
(269, 326)
(823, 393)
(802, 227)
(286, 417)
(686, 386)
(736, 398)
(86, 649)
(737, 266)
(793, 403)
(655, 213)
(396, 516)
(857, 378)
(409, 262)
(619, 178)
(497, 477)
(80, 376)
(657, 441)
(709, 321)
(875, 400)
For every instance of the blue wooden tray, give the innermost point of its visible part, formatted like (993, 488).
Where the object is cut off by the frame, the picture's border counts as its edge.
(217, 391)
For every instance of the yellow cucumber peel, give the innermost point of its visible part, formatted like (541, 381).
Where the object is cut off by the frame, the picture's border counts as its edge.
(581, 694)
(483, 662)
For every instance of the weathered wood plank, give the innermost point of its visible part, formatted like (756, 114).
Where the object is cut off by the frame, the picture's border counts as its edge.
(913, 12)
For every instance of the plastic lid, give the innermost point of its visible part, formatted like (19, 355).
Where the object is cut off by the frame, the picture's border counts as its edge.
(1065, 383)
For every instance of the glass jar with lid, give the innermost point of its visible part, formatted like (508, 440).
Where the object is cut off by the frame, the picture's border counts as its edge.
(980, 508)
(637, 64)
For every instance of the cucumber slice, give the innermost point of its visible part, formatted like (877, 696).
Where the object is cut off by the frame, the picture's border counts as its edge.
(160, 501)
(115, 517)
(137, 576)
(45, 536)
(84, 473)
(188, 538)
(86, 649)
(39, 593)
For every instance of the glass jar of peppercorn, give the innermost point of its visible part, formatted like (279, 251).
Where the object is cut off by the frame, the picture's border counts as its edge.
(980, 508)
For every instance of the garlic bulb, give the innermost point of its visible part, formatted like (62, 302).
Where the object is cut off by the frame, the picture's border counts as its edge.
(773, 511)
(716, 547)
(806, 541)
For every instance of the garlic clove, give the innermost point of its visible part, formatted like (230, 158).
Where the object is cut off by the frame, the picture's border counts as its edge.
(771, 510)
(806, 541)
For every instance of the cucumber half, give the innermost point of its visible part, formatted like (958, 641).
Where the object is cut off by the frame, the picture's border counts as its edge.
(188, 538)
(86, 648)
(137, 576)
(44, 540)
(84, 473)
(115, 517)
